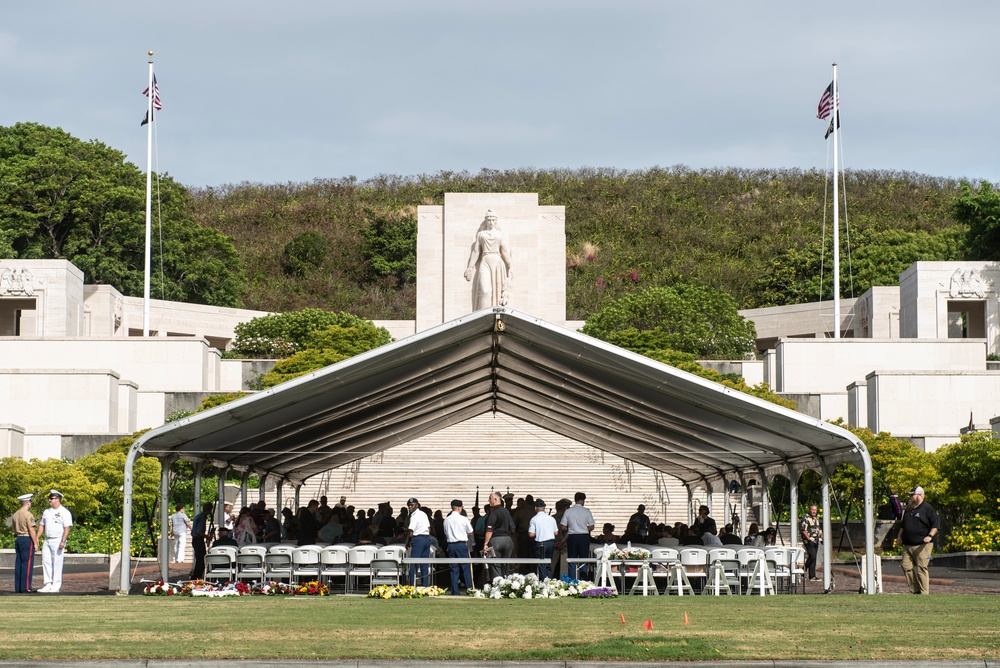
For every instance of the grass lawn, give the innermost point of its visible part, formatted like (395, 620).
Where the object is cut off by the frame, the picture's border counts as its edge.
(786, 627)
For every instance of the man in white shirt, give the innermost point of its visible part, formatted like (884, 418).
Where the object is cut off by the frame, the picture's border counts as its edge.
(578, 522)
(457, 531)
(55, 525)
(542, 529)
(420, 541)
(180, 527)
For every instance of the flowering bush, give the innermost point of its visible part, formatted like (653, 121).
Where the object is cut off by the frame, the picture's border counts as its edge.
(404, 591)
(598, 592)
(161, 588)
(313, 588)
(529, 586)
(976, 534)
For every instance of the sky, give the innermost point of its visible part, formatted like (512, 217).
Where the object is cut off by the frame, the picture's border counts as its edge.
(291, 92)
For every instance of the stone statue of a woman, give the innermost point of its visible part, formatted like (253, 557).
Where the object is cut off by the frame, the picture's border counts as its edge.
(489, 267)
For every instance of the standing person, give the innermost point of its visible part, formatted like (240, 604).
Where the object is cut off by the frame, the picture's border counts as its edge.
(497, 541)
(578, 522)
(812, 536)
(542, 530)
(916, 535)
(56, 522)
(641, 519)
(307, 527)
(457, 532)
(180, 526)
(559, 564)
(199, 540)
(419, 534)
(25, 545)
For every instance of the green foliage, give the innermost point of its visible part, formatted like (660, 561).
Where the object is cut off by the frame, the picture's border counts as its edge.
(689, 318)
(804, 273)
(626, 231)
(980, 211)
(971, 471)
(897, 466)
(81, 201)
(306, 253)
(326, 347)
(218, 399)
(975, 534)
(390, 247)
(286, 333)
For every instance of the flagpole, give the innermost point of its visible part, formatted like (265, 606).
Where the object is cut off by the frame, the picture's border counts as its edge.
(836, 213)
(149, 199)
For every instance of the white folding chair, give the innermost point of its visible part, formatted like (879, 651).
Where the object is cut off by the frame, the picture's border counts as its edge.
(695, 563)
(250, 566)
(359, 560)
(385, 571)
(782, 571)
(660, 561)
(220, 566)
(717, 553)
(746, 557)
(396, 552)
(797, 565)
(333, 564)
(282, 548)
(257, 548)
(278, 566)
(305, 564)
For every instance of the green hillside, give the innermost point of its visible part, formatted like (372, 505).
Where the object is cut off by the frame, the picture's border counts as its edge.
(756, 234)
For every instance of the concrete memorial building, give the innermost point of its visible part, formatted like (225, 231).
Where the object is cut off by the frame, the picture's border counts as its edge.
(76, 372)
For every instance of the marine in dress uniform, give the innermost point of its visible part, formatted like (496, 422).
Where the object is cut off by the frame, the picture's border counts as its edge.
(56, 521)
(25, 544)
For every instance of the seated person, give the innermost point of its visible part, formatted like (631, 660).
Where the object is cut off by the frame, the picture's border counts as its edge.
(709, 538)
(728, 537)
(753, 536)
(224, 538)
(272, 528)
(329, 532)
(668, 539)
(632, 534)
(692, 537)
(608, 536)
(369, 536)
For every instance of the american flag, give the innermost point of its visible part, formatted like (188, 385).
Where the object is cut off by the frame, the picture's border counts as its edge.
(825, 103)
(156, 95)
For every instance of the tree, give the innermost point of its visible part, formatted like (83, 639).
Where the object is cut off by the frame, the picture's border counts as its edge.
(283, 334)
(897, 466)
(390, 247)
(971, 472)
(980, 211)
(64, 198)
(689, 318)
(325, 347)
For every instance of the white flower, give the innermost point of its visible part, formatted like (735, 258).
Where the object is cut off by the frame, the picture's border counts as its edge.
(495, 594)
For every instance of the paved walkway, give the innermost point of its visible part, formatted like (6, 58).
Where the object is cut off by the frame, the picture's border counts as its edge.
(228, 663)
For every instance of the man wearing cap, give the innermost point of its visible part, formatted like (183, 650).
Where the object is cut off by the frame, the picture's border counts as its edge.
(543, 530)
(578, 522)
(419, 534)
(56, 522)
(457, 531)
(25, 544)
(916, 535)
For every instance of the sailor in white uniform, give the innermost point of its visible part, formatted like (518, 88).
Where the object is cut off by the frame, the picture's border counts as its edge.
(55, 525)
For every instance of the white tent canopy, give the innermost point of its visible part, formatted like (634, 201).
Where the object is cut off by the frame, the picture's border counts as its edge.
(504, 361)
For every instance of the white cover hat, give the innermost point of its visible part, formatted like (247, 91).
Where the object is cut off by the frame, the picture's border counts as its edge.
(25, 497)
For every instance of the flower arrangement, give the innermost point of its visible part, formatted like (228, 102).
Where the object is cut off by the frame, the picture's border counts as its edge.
(271, 588)
(215, 590)
(598, 592)
(516, 585)
(161, 588)
(403, 591)
(628, 554)
(312, 588)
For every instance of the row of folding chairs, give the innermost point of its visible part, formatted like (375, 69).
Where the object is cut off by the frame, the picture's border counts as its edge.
(333, 564)
(742, 570)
